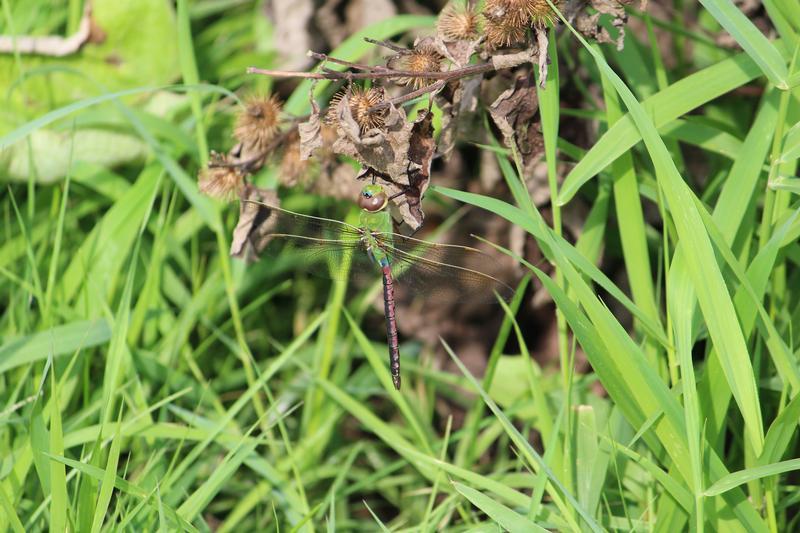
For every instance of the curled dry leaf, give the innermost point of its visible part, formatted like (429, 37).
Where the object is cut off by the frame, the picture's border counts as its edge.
(250, 235)
(542, 58)
(456, 101)
(514, 110)
(421, 149)
(400, 154)
(310, 133)
(509, 61)
(460, 52)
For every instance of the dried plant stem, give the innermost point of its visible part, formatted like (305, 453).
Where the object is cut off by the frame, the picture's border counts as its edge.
(375, 73)
(388, 44)
(326, 58)
(434, 87)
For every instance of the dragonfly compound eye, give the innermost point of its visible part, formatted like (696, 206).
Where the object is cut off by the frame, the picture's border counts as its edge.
(372, 202)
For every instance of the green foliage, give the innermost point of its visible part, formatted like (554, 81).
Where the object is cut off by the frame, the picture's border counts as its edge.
(148, 381)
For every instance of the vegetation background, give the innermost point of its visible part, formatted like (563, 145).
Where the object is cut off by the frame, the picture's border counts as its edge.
(148, 381)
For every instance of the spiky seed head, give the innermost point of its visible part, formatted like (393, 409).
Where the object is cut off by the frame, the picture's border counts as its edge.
(219, 180)
(258, 123)
(421, 59)
(540, 13)
(459, 22)
(499, 33)
(361, 100)
(519, 13)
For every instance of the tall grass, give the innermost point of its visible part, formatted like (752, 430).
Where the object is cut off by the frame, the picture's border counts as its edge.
(148, 381)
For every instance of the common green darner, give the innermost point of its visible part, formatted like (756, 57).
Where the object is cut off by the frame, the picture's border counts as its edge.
(371, 249)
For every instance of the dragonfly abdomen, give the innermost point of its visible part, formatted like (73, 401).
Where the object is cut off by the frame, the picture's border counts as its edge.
(391, 325)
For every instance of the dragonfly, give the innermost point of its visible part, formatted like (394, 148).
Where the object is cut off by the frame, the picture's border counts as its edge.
(338, 250)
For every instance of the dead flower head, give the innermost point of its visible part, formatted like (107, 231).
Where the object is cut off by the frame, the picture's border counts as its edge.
(420, 60)
(258, 123)
(500, 33)
(519, 14)
(219, 179)
(459, 22)
(361, 100)
(540, 13)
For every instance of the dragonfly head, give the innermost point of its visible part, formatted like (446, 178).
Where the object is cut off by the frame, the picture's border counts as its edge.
(373, 198)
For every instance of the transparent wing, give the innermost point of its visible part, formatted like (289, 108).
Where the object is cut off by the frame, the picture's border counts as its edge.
(333, 249)
(323, 247)
(457, 273)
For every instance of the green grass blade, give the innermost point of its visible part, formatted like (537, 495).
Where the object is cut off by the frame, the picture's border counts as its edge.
(122, 485)
(190, 76)
(522, 443)
(591, 460)
(59, 340)
(58, 476)
(507, 518)
(107, 484)
(715, 302)
(62, 112)
(11, 512)
(736, 479)
(377, 519)
(751, 40)
(199, 499)
(382, 371)
(781, 432)
(664, 107)
(786, 183)
(570, 254)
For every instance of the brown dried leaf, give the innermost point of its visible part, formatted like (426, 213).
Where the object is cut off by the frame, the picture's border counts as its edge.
(514, 110)
(543, 58)
(456, 101)
(400, 155)
(458, 52)
(507, 61)
(310, 133)
(422, 146)
(250, 235)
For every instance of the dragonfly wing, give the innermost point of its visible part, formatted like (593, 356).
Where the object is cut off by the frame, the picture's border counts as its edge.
(323, 247)
(456, 273)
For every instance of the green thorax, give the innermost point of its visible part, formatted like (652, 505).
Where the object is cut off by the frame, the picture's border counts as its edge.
(375, 217)
(380, 221)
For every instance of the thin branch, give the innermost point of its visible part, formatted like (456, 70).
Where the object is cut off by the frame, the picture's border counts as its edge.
(326, 58)
(448, 75)
(434, 87)
(388, 44)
